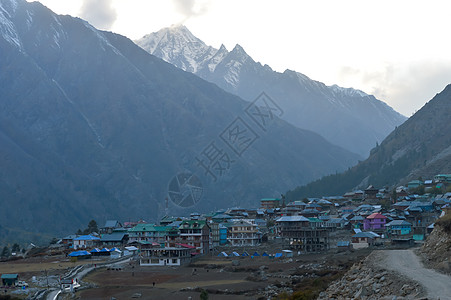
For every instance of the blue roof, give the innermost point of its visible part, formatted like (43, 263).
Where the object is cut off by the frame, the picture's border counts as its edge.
(86, 238)
(79, 253)
(398, 223)
(292, 219)
(111, 224)
(278, 255)
(113, 237)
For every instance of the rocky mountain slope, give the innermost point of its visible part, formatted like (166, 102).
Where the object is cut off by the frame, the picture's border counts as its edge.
(436, 250)
(420, 147)
(347, 117)
(94, 127)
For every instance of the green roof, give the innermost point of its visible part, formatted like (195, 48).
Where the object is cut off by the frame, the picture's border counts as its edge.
(10, 276)
(151, 228)
(142, 227)
(314, 220)
(270, 199)
(192, 224)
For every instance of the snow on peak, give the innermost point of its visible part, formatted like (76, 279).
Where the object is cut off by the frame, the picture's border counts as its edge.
(9, 6)
(177, 45)
(7, 28)
(239, 52)
(347, 91)
(217, 58)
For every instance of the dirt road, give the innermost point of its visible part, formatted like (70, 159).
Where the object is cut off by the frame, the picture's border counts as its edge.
(407, 263)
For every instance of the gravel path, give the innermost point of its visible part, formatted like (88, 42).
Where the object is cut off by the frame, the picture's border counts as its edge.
(407, 263)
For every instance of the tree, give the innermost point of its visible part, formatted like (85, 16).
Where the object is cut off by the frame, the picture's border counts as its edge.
(15, 248)
(5, 252)
(270, 223)
(92, 227)
(204, 295)
(394, 196)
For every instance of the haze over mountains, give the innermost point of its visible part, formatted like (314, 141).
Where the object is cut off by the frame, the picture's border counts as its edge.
(344, 116)
(421, 147)
(94, 127)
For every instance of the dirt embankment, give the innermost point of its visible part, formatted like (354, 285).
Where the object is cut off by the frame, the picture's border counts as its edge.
(436, 251)
(370, 279)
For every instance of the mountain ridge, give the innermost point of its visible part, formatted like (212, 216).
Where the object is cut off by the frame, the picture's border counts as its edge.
(420, 147)
(94, 127)
(341, 115)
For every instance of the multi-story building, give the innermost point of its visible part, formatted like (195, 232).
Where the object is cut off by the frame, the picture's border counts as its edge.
(86, 242)
(244, 233)
(166, 236)
(297, 232)
(196, 233)
(215, 236)
(375, 222)
(269, 203)
(168, 256)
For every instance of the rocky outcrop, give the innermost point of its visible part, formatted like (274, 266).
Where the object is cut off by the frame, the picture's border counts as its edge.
(436, 251)
(366, 280)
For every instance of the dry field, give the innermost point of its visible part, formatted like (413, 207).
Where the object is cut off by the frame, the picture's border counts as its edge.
(217, 275)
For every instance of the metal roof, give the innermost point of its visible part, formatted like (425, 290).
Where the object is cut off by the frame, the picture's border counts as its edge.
(10, 276)
(292, 219)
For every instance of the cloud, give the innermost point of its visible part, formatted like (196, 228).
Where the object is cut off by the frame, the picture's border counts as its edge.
(404, 86)
(100, 13)
(191, 8)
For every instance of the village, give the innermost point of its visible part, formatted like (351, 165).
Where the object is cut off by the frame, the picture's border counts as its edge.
(358, 220)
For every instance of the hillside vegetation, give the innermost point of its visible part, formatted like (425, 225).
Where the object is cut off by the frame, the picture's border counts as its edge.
(421, 147)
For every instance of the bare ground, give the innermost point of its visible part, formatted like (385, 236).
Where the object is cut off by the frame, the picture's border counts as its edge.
(408, 264)
(218, 276)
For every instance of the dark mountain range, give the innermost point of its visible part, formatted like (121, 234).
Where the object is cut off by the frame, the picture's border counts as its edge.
(94, 127)
(421, 147)
(344, 116)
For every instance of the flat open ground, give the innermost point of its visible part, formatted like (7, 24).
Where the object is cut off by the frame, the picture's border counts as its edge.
(30, 265)
(215, 274)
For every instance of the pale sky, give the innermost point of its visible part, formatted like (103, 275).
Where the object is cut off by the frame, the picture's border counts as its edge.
(397, 50)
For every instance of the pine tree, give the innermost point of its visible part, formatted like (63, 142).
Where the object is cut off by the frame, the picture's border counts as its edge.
(5, 252)
(15, 248)
(92, 227)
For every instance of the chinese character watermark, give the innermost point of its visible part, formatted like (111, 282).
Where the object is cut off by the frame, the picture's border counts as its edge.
(185, 189)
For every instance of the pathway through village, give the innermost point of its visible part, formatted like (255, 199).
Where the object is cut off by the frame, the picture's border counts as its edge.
(407, 263)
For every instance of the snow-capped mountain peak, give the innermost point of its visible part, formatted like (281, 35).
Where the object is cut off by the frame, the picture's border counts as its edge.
(341, 115)
(177, 45)
(347, 91)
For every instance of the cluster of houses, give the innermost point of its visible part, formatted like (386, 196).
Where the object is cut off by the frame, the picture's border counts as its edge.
(303, 226)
